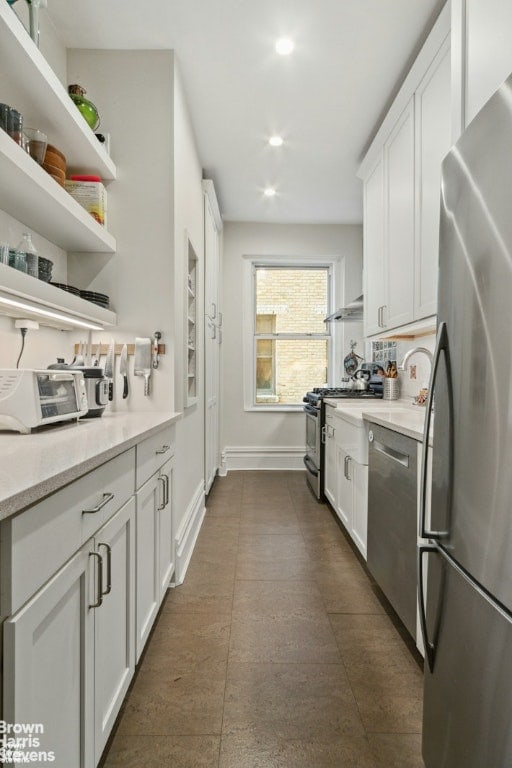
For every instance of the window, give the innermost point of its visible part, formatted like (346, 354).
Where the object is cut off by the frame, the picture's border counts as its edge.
(290, 339)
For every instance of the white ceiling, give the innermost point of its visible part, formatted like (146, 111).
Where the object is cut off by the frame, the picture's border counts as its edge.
(326, 99)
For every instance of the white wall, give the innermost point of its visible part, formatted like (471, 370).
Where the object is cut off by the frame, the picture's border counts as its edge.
(265, 431)
(152, 207)
(188, 222)
(133, 91)
(409, 387)
(44, 346)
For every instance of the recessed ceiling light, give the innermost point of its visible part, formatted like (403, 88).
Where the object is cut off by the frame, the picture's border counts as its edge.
(275, 141)
(284, 46)
(269, 192)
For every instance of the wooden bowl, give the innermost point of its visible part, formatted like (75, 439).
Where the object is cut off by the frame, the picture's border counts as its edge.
(54, 157)
(57, 173)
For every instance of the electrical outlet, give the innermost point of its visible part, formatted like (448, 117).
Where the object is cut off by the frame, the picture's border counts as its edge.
(412, 371)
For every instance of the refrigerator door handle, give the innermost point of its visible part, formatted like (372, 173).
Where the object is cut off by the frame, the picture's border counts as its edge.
(441, 347)
(430, 650)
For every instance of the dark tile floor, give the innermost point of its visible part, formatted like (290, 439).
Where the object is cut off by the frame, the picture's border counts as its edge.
(276, 652)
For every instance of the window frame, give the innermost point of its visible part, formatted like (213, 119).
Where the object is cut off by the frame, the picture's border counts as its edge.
(249, 323)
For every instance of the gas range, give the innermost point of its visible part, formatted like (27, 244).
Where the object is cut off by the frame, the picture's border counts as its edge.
(314, 408)
(317, 394)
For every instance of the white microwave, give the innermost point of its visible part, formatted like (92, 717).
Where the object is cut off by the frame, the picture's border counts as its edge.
(32, 398)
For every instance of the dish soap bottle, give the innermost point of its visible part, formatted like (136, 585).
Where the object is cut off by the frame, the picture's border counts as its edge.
(85, 107)
(26, 247)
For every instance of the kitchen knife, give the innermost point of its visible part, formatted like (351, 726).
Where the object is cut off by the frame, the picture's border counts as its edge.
(142, 365)
(109, 370)
(123, 370)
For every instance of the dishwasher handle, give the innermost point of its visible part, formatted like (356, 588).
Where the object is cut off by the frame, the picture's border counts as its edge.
(391, 453)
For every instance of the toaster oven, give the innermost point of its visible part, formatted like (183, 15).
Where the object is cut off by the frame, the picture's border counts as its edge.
(32, 398)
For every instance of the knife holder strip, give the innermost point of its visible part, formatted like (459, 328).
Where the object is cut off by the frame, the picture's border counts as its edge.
(117, 349)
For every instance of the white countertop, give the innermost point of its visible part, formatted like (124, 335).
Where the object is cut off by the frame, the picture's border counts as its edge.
(32, 466)
(399, 415)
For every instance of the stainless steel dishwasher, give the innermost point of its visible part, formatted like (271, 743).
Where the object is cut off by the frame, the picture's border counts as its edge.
(392, 519)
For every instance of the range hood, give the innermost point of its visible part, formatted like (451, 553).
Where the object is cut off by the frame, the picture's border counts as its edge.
(353, 311)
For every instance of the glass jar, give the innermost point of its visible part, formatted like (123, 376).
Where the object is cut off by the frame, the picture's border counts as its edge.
(27, 249)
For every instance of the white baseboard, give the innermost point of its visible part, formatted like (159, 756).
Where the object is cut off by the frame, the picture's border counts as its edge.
(262, 457)
(185, 538)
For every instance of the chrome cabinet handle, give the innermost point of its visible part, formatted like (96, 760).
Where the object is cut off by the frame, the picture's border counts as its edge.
(163, 449)
(324, 434)
(166, 489)
(161, 480)
(380, 318)
(99, 583)
(108, 588)
(429, 645)
(345, 467)
(214, 310)
(441, 346)
(105, 500)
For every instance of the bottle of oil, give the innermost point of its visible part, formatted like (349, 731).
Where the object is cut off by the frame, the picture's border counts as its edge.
(85, 107)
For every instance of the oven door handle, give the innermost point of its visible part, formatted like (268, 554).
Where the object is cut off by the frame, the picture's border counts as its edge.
(310, 466)
(311, 410)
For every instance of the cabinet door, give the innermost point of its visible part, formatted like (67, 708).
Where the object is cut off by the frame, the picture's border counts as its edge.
(148, 499)
(399, 238)
(344, 507)
(165, 530)
(360, 505)
(330, 482)
(114, 621)
(212, 344)
(48, 664)
(374, 269)
(433, 140)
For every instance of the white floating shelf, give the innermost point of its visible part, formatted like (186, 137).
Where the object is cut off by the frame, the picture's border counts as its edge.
(30, 195)
(28, 83)
(37, 298)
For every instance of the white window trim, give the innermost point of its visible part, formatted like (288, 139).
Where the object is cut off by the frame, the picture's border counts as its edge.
(332, 263)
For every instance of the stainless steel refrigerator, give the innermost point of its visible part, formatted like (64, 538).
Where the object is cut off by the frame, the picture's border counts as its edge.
(467, 564)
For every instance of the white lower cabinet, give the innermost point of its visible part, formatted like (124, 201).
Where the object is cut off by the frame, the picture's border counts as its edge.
(83, 573)
(359, 528)
(352, 503)
(114, 621)
(329, 447)
(343, 504)
(346, 476)
(155, 548)
(69, 653)
(49, 664)
(148, 589)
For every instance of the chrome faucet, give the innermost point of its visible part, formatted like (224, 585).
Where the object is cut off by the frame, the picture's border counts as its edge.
(413, 351)
(421, 398)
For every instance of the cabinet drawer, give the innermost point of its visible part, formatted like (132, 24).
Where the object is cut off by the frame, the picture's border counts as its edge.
(37, 542)
(153, 452)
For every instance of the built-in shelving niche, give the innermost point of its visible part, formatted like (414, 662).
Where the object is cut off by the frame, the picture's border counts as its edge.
(192, 294)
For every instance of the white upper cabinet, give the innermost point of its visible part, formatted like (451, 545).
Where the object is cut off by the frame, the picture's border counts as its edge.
(401, 174)
(482, 54)
(433, 140)
(373, 228)
(399, 209)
